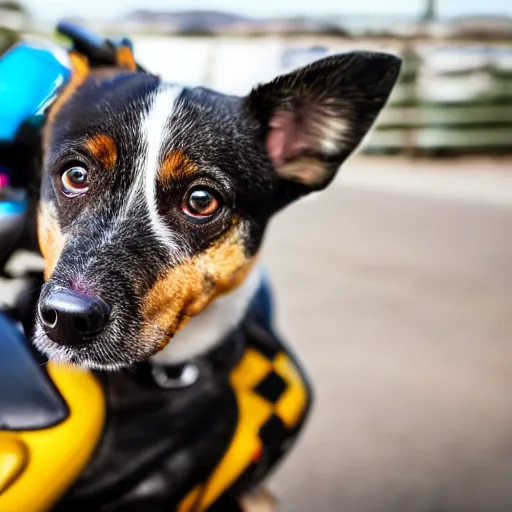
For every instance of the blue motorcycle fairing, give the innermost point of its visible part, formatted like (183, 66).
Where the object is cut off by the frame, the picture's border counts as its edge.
(8, 208)
(31, 75)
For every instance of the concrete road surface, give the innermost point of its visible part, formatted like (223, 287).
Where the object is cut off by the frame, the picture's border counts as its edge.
(399, 303)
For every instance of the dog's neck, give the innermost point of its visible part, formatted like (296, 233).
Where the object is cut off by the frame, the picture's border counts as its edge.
(212, 324)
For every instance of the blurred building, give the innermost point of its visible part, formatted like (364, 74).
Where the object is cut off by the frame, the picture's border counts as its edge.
(13, 16)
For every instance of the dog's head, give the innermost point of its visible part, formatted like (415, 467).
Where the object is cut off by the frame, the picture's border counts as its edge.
(155, 197)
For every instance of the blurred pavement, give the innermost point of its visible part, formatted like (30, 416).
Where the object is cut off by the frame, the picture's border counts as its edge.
(395, 289)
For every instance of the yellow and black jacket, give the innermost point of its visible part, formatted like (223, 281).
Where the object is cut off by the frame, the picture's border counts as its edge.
(190, 438)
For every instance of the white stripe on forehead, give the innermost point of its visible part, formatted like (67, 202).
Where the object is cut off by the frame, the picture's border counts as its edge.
(155, 129)
(154, 133)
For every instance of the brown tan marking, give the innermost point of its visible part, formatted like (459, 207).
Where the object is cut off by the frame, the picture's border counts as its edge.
(125, 58)
(175, 165)
(79, 72)
(50, 238)
(104, 149)
(186, 290)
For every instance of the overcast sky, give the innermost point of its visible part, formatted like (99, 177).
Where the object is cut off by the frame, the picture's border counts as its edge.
(53, 9)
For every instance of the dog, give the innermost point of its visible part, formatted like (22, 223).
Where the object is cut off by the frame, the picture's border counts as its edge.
(155, 199)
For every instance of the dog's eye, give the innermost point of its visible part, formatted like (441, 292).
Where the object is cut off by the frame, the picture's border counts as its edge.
(74, 181)
(200, 202)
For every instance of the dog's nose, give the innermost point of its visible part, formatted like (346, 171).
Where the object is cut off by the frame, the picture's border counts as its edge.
(69, 318)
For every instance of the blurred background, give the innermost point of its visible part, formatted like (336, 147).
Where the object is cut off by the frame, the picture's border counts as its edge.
(395, 285)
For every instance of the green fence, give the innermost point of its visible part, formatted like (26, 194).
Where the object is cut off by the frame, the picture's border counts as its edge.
(461, 106)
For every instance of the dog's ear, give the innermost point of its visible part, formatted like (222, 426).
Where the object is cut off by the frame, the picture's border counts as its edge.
(313, 118)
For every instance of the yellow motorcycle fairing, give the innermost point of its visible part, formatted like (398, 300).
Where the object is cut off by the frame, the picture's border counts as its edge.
(38, 466)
